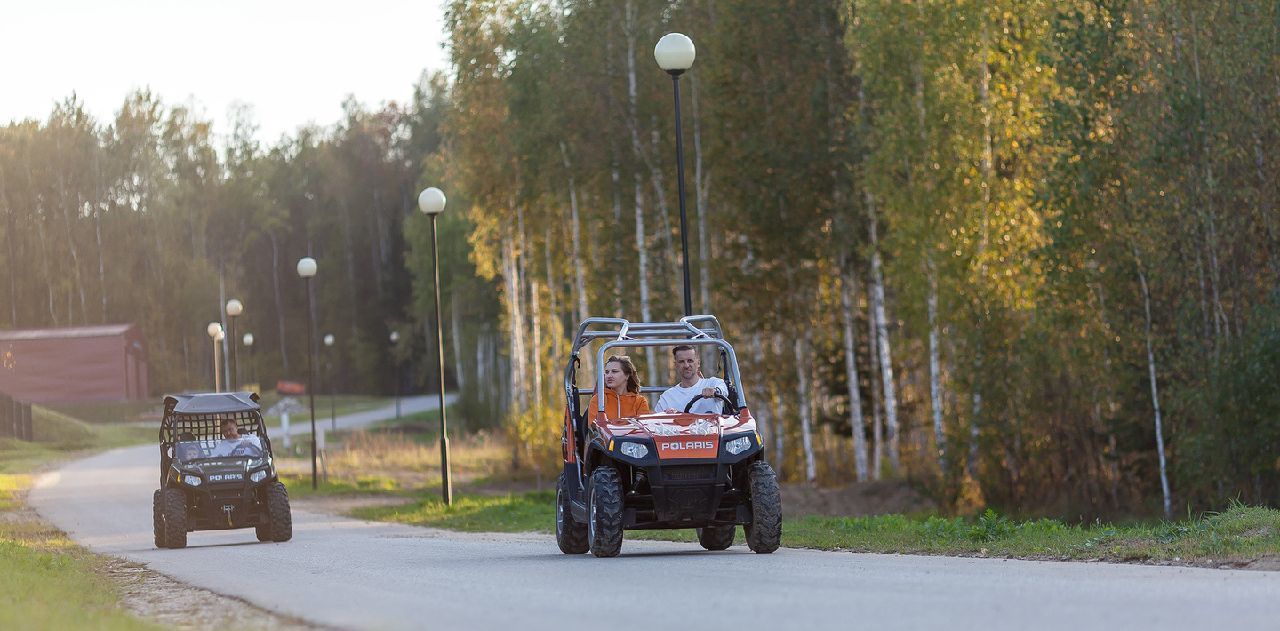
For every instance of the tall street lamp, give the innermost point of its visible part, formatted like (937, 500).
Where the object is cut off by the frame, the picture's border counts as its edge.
(674, 54)
(431, 201)
(215, 333)
(253, 369)
(333, 407)
(307, 270)
(234, 309)
(395, 357)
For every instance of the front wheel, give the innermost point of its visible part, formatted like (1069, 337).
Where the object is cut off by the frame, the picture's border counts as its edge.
(157, 519)
(604, 512)
(279, 526)
(764, 533)
(571, 536)
(173, 517)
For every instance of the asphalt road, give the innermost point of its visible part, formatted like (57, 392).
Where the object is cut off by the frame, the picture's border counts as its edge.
(356, 574)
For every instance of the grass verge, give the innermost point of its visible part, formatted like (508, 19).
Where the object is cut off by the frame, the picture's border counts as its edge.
(46, 581)
(1239, 535)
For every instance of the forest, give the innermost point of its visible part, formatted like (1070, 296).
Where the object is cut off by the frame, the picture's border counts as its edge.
(1018, 253)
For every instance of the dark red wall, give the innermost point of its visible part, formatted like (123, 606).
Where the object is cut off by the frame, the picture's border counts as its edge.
(74, 369)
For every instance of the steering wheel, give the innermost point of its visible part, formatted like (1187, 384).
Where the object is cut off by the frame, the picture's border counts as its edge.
(246, 449)
(699, 397)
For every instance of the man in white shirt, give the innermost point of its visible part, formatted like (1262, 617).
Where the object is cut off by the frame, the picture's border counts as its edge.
(233, 444)
(692, 383)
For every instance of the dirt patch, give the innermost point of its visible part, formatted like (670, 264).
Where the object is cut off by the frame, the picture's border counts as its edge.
(853, 500)
(154, 596)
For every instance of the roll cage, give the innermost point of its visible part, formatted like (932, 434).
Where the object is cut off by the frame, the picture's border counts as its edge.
(695, 330)
(201, 417)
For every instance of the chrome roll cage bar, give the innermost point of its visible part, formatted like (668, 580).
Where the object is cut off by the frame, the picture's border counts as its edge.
(694, 330)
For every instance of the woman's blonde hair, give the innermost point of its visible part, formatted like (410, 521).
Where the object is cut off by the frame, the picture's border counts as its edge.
(628, 369)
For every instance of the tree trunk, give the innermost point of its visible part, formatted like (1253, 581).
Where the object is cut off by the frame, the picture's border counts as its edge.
(275, 286)
(780, 418)
(877, 421)
(803, 403)
(516, 317)
(701, 187)
(935, 370)
(650, 355)
(859, 430)
(455, 330)
(579, 278)
(536, 348)
(1155, 392)
(616, 179)
(882, 342)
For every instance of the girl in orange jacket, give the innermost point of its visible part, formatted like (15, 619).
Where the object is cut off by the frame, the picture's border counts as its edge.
(622, 396)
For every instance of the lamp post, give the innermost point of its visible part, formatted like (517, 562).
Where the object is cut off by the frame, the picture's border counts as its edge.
(307, 270)
(674, 54)
(328, 376)
(395, 356)
(234, 309)
(253, 369)
(215, 333)
(431, 201)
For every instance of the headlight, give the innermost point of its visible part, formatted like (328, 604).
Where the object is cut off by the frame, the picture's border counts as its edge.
(634, 450)
(738, 445)
(258, 476)
(191, 480)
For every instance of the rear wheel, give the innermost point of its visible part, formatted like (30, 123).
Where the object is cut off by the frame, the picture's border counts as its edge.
(604, 512)
(157, 519)
(571, 536)
(173, 515)
(279, 526)
(716, 537)
(764, 533)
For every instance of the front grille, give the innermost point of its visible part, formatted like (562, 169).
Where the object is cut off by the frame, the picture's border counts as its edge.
(689, 473)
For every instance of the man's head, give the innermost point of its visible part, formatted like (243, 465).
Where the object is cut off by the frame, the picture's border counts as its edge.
(687, 363)
(229, 428)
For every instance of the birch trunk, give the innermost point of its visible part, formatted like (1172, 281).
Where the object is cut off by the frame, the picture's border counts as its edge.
(536, 348)
(579, 278)
(516, 317)
(780, 414)
(275, 286)
(877, 421)
(616, 179)
(935, 370)
(1155, 391)
(859, 430)
(882, 343)
(701, 187)
(455, 330)
(804, 402)
(651, 364)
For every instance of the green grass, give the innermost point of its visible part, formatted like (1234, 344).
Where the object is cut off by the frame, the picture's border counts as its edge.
(1237, 535)
(299, 486)
(474, 513)
(46, 581)
(57, 436)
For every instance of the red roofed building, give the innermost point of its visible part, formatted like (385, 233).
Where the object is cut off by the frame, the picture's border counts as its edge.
(91, 363)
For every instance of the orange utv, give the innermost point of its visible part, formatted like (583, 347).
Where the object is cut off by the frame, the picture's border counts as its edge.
(662, 470)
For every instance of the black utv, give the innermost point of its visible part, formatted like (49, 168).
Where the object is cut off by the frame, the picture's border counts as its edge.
(216, 470)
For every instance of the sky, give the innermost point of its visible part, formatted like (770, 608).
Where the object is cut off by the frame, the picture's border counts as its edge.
(292, 61)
